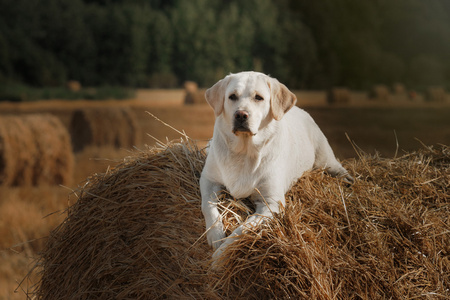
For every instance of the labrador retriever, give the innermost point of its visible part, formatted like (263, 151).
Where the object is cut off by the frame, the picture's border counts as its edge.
(261, 145)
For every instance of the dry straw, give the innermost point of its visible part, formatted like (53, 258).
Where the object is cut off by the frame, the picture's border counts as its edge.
(106, 126)
(34, 150)
(137, 232)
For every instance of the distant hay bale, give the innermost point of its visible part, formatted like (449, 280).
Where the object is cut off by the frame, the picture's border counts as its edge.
(436, 94)
(18, 151)
(339, 96)
(191, 86)
(34, 150)
(193, 94)
(380, 93)
(399, 89)
(104, 127)
(137, 232)
(400, 93)
(73, 86)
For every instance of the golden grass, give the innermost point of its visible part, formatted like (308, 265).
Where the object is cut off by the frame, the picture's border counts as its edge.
(139, 234)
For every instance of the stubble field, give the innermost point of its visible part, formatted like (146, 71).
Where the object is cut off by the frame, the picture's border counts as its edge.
(28, 213)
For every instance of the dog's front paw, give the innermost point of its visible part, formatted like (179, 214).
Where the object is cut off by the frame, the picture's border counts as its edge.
(215, 235)
(341, 173)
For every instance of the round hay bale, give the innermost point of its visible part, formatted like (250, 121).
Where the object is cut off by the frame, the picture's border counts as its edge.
(399, 89)
(190, 86)
(73, 86)
(338, 96)
(400, 93)
(18, 152)
(108, 126)
(34, 150)
(192, 94)
(436, 94)
(380, 93)
(55, 161)
(137, 232)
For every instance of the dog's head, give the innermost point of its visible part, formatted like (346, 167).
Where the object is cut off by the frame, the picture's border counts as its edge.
(249, 100)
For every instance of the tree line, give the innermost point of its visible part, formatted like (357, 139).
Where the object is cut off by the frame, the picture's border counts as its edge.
(161, 43)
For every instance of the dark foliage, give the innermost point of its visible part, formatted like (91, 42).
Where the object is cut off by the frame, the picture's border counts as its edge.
(306, 44)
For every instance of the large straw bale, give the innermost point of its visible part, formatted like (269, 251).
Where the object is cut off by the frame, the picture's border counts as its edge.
(137, 232)
(17, 151)
(106, 126)
(34, 150)
(339, 96)
(54, 162)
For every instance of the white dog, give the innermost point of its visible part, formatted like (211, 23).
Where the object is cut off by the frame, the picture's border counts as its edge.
(261, 145)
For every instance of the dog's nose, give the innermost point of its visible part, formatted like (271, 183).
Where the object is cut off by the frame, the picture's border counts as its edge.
(241, 115)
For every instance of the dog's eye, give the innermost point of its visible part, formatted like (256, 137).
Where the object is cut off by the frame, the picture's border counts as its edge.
(259, 98)
(233, 97)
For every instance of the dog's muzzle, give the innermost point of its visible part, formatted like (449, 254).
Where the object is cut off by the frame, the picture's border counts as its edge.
(240, 124)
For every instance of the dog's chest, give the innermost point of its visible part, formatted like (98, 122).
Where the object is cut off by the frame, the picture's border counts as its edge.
(241, 175)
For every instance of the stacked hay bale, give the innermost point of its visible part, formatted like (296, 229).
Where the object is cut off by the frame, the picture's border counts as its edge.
(106, 126)
(338, 96)
(400, 92)
(436, 94)
(193, 94)
(380, 93)
(34, 150)
(138, 232)
(73, 86)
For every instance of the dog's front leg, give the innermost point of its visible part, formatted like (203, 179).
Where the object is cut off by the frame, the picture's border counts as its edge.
(214, 227)
(325, 159)
(266, 207)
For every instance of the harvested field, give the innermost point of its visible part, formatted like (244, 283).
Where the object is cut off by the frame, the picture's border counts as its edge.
(114, 126)
(34, 150)
(138, 232)
(27, 213)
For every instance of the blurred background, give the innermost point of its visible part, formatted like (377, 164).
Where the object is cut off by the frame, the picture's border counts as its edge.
(162, 43)
(78, 77)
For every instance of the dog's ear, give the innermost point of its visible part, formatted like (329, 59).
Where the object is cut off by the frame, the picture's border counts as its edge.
(282, 99)
(215, 95)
